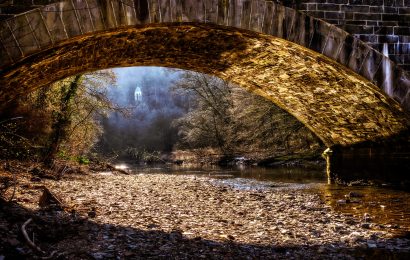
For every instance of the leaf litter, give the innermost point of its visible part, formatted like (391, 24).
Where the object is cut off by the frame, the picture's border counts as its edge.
(110, 216)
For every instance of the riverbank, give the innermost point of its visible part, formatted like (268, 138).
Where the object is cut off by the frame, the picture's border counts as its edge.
(308, 159)
(169, 216)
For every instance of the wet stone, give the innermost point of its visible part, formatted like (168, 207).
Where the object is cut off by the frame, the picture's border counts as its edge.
(132, 222)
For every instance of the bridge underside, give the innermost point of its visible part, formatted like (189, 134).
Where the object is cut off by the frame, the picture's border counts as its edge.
(341, 107)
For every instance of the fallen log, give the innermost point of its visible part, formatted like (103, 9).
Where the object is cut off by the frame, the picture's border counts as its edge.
(49, 199)
(113, 168)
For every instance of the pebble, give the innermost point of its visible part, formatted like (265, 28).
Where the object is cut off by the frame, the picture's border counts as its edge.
(354, 194)
(134, 222)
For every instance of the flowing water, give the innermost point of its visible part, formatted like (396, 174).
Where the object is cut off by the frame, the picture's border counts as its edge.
(382, 206)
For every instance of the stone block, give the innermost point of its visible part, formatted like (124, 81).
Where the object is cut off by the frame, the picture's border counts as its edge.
(15, 9)
(258, 8)
(193, 11)
(9, 42)
(268, 17)
(6, 58)
(389, 2)
(368, 38)
(371, 64)
(334, 15)
(404, 10)
(372, 2)
(316, 14)
(70, 19)
(231, 14)
(401, 86)
(376, 9)
(384, 72)
(372, 23)
(96, 15)
(367, 16)
(5, 16)
(334, 43)
(320, 35)
(288, 22)
(404, 30)
(337, 1)
(23, 2)
(210, 11)
(310, 7)
(228, 10)
(349, 16)
(355, 8)
(388, 38)
(301, 31)
(355, 22)
(384, 30)
(401, 48)
(358, 55)
(21, 28)
(42, 2)
(141, 12)
(40, 30)
(154, 12)
(54, 22)
(278, 23)
(246, 14)
(82, 12)
(405, 67)
(127, 13)
(390, 17)
(328, 7)
(390, 10)
(358, 29)
(388, 23)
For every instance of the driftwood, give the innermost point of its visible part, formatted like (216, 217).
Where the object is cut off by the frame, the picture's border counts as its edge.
(15, 186)
(31, 243)
(28, 240)
(112, 168)
(49, 199)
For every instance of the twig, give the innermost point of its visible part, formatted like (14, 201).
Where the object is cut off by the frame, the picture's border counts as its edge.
(30, 243)
(51, 256)
(15, 185)
(10, 119)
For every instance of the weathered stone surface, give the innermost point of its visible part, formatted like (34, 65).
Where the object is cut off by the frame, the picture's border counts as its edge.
(376, 22)
(65, 38)
(44, 27)
(338, 105)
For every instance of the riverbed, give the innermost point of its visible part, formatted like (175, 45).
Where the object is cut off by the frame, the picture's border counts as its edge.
(214, 213)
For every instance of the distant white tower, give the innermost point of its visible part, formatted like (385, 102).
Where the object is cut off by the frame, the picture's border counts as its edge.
(138, 94)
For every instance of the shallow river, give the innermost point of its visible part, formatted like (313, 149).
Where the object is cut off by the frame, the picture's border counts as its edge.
(382, 207)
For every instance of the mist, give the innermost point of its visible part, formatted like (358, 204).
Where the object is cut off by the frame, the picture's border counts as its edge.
(147, 91)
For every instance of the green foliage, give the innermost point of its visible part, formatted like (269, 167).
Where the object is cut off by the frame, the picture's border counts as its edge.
(71, 113)
(83, 160)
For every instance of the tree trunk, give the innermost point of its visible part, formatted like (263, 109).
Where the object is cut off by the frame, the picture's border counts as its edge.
(62, 121)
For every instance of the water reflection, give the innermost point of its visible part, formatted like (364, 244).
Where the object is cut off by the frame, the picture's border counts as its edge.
(385, 207)
(379, 207)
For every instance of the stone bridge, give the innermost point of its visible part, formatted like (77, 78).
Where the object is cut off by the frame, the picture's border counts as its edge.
(346, 92)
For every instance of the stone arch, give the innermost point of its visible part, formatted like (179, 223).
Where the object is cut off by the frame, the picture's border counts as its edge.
(249, 42)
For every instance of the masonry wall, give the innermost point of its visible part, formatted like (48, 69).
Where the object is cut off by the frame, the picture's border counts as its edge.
(10, 7)
(384, 24)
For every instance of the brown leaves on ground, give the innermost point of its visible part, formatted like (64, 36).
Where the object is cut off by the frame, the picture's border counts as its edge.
(183, 217)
